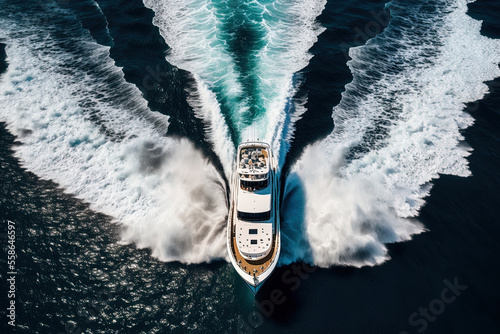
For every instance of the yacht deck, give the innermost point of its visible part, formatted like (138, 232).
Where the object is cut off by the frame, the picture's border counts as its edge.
(253, 163)
(248, 265)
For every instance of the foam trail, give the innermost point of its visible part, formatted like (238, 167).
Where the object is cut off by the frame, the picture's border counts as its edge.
(205, 105)
(190, 29)
(108, 33)
(82, 125)
(291, 30)
(247, 87)
(396, 129)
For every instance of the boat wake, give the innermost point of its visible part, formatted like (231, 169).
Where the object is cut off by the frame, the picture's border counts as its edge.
(82, 125)
(244, 57)
(397, 127)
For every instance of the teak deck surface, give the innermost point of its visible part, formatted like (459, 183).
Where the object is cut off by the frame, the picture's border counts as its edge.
(251, 265)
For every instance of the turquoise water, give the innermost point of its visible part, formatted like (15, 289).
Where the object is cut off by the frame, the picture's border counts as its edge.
(246, 54)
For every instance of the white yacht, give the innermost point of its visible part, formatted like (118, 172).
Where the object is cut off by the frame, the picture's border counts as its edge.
(253, 229)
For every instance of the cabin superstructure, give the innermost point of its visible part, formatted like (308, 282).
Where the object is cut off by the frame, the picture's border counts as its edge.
(253, 223)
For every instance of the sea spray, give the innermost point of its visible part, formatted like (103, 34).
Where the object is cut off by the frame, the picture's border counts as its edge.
(397, 127)
(244, 57)
(329, 219)
(80, 124)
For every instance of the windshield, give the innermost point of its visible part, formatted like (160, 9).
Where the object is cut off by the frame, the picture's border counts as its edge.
(253, 185)
(254, 216)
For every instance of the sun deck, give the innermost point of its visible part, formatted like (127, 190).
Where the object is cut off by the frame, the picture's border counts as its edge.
(253, 163)
(253, 266)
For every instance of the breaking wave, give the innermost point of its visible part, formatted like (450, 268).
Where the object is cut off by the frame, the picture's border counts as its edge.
(397, 127)
(82, 125)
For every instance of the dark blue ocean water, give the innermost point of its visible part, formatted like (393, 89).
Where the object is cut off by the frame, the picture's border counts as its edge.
(75, 276)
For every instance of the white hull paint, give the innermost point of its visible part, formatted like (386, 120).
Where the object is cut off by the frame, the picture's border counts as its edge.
(254, 270)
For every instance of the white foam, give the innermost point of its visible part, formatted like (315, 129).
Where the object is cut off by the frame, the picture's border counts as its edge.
(292, 30)
(206, 107)
(196, 33)
(190, 28)
(163, 191)
(329, 219)
(108, 33)
(395, 131)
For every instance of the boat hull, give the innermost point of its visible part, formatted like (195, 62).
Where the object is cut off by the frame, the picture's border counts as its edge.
(254, 272)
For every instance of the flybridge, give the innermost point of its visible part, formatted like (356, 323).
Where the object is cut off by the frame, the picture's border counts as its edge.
(253, 163)
(254, 192)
